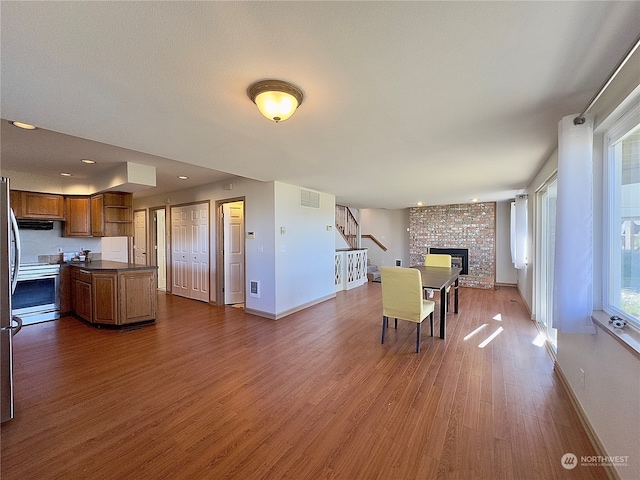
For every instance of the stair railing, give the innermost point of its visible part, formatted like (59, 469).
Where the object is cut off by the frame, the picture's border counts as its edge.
(347, 224)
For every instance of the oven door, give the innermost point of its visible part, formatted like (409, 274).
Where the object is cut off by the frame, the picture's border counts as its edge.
(36, 299)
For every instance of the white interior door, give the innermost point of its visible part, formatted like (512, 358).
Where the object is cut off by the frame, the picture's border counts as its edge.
(140, 237)
(179, 252)
(190, 251)
(233, 252)
(161, 247)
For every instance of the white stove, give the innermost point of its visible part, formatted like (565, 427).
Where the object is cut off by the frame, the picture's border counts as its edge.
(36, 298)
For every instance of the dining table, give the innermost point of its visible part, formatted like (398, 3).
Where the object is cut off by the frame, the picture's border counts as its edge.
(440, 278)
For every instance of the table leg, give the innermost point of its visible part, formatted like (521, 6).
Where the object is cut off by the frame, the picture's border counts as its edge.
(443, 313)
(455, 295)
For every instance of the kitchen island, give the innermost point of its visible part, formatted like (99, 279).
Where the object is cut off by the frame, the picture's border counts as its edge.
(113, 293)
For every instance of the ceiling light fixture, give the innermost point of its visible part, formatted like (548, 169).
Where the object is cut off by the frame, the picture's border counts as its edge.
(183, 177)
(88, 161)
(24, 126)
(276, 99)
(65, 174)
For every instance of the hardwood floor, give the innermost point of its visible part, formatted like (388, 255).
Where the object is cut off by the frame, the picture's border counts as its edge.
(211, 392)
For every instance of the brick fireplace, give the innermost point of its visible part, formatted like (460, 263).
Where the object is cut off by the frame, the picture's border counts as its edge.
(470, 227)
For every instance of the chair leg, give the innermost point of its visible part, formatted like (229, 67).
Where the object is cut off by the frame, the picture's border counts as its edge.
(396, 325)
(418, 337)
(385, 323)
(431, 322)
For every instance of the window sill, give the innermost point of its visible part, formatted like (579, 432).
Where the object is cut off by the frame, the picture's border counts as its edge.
(628, 336)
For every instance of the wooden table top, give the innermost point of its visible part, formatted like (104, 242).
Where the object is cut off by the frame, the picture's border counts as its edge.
(438, 277)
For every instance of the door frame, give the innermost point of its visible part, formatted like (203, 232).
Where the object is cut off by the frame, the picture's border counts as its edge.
(153, 240)
(146, 236)
(220, 246)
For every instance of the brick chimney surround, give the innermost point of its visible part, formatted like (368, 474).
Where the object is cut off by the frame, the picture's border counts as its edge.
(471, 226)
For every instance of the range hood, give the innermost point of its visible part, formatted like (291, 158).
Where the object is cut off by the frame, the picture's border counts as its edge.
(35, 224)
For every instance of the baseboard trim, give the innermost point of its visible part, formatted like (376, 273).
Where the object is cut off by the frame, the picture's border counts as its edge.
(611, 471)
(285, 313)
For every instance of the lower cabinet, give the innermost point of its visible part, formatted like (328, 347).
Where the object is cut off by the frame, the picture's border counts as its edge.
(115, 297)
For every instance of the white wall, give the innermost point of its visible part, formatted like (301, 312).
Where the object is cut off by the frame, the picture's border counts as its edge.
(390, 228)
(47, 242)
(609, 397)
(304, 250)
(306, 238)
(259, 218)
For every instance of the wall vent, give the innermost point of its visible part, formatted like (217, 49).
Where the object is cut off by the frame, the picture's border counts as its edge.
(254, 288)
(309, 199)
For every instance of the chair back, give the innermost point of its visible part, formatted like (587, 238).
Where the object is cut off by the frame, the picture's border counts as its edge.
(402, 293)
(437, 260)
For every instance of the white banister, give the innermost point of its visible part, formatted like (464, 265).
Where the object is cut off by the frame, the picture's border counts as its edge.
(350, 268)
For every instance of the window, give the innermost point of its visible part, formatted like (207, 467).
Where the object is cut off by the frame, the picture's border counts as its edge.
(622, 265)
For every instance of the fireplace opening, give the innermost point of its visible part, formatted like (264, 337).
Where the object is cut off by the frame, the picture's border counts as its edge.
(459, 257)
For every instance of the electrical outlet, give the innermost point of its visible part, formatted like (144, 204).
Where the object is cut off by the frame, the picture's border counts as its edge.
(582, 379)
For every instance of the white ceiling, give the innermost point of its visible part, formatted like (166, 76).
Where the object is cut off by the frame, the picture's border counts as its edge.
(437, 102)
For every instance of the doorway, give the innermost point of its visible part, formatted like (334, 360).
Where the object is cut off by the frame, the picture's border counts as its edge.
(546, 254)
(159, 244)
(140, 237)
(230, 278)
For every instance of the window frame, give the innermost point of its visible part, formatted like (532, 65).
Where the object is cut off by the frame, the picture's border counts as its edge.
(629, 121)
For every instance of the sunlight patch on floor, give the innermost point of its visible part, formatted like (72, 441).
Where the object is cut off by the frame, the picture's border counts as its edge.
(539, 340)
(488, 340)
(498, 317)
(475, 331)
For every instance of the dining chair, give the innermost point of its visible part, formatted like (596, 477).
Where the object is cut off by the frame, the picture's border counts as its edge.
(439, 260)
(402, 299)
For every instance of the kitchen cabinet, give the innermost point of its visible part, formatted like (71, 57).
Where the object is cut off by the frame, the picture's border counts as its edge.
(112, 214)
(81, 294)
(37, 206)
(66, 284)
(77, 212)
(114, 293)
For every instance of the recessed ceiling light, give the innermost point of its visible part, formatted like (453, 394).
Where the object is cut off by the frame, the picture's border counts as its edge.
(183, 177)
(419, 204)
(65, 174)
(474, 199)
(88, 161)
(25, 126)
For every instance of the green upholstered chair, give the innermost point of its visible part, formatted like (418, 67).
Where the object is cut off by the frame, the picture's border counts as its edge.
(439, 260)
(402, 299)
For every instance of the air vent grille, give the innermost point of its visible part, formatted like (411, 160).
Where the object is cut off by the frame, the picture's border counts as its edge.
(309, 199)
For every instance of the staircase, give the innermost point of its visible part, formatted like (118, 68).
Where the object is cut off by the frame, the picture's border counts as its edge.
(347, 225)
(373, 272)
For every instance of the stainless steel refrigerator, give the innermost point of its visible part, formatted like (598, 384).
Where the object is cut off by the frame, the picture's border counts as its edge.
(9, 324)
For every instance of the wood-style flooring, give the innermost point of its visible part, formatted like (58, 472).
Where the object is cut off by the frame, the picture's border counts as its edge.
(214, 393)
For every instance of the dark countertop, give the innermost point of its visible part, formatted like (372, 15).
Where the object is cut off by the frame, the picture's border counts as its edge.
(110, 265)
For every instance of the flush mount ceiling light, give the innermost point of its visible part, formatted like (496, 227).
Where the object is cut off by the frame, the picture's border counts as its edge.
(88, 161)
(276, 99)
(25, 126)
(183, 177)
(65, 174)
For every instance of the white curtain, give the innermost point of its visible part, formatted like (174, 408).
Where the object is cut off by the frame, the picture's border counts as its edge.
(519, 232)
(573, 269)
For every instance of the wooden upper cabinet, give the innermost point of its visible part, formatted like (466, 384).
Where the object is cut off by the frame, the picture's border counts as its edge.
(112, 214)
(77, 212)
(37, 206)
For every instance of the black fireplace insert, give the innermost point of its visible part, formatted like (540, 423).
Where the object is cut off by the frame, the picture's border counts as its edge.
(456, 253)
